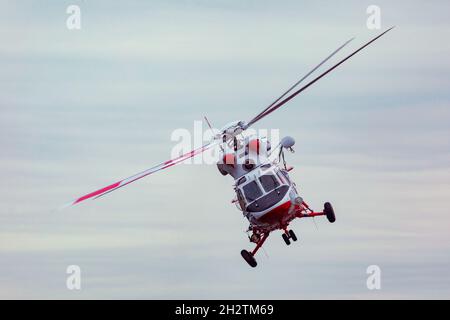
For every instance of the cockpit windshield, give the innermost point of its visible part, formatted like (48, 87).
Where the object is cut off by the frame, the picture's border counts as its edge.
(252, 191)
(269, 182)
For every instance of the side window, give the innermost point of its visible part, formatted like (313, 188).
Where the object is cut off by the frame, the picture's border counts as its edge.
(282, 177)
(241, 180)
(241, 199)
(252, 191)
(286, 175)
(269, 182)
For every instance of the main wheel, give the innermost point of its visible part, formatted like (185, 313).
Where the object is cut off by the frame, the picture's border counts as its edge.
(292, 235)
(329, 212)
(286, 239)
(249, 258)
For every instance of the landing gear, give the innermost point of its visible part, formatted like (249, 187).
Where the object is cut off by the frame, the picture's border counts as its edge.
(255, 238)
(288, 236)
(329, 212)
(292, 235)
(302, 210)
(248, 256)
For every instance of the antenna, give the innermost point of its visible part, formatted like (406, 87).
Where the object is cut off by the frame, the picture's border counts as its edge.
(207, 122)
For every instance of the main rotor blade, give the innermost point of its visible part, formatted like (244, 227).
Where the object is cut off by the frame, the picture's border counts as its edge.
(124, 182)
(275, 107)
(299, 81)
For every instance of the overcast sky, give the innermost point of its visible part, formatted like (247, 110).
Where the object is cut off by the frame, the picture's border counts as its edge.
(83, 108)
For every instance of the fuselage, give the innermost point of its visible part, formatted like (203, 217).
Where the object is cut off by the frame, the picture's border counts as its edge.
(264, 191)
(267, 197)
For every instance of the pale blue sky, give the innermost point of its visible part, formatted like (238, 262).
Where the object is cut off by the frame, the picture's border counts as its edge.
(83, 108)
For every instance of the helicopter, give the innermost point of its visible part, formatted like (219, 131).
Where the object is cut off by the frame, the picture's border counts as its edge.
(265, 193)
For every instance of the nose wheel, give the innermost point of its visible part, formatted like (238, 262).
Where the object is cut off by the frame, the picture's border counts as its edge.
(286, 239)
(288, 236)
(248, 256)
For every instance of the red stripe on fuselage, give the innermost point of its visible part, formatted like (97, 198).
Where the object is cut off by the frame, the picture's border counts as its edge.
(277, 214)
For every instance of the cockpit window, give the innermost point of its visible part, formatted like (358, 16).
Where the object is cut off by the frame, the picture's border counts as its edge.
(269, 182)
(240, 199)
(252, 191)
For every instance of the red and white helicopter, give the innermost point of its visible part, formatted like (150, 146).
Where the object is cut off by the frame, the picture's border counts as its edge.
(265, 193)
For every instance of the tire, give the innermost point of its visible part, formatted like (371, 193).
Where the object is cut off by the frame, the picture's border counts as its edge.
(292, 235)
(286, 239)
(329, 212)
(249, 258)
